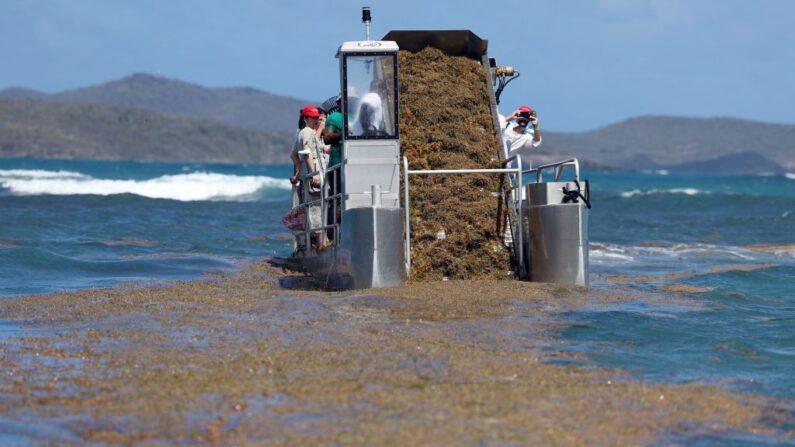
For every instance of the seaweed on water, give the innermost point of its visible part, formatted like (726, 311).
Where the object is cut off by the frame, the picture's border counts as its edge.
(446, 124)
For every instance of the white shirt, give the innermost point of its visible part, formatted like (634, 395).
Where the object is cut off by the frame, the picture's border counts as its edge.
(376, 116)
(513, 141)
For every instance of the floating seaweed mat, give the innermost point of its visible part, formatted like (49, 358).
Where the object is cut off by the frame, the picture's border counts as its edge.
(445, 123)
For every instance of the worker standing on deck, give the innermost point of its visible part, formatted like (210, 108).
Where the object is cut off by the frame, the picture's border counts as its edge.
(332, 104)
(333, 137)
(311, 150)
(370, 117)
(520, 130)
(294, 157)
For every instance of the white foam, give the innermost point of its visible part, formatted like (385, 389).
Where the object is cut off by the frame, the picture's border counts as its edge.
(634, 192)
(790, 175)
(612, 256)
(37, 174)
(686, 191)
(698, 250)
(613, 252)
(668, 252)
(183, 187)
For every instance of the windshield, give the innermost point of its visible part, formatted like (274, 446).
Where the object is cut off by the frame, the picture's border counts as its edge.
(370, 96)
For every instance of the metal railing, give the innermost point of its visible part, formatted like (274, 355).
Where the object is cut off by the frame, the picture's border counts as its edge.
(325, 202)
(513, 195)
(333, 202)
(558, 166)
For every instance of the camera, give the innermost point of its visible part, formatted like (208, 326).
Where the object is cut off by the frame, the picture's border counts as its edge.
(527, 115)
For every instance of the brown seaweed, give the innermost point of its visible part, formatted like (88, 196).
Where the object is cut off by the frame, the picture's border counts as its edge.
(446, 124)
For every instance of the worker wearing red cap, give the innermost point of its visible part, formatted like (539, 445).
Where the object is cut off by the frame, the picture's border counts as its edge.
(307, 142)
(309, 149)
(520, 131)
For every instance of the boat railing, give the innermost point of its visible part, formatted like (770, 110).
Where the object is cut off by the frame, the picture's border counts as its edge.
(558, 167)
(332, 203)
(303, 198)
(512, 196)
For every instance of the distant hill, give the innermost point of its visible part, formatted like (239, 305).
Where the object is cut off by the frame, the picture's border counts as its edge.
(181, 115)
(661, 142)
(738, 163)
(18, 92)
(36, 128)
(240, 106)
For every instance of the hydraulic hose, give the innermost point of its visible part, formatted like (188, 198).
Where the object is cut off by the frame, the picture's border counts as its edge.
(573, 195)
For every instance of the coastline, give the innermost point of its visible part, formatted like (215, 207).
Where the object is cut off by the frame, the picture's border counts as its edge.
(262, 357)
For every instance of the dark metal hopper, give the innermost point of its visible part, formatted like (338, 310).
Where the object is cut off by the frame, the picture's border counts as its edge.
(452, 43)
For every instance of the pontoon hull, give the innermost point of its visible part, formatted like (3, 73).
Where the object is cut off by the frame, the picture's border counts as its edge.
(369, 253)
(555, 236)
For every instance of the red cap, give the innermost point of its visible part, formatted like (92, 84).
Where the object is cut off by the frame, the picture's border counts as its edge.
(310, 112)
(525, 109)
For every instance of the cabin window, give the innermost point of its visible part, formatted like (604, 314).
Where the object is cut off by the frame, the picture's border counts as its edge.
(370, 96)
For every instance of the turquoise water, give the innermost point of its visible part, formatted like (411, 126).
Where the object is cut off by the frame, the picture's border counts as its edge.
(74, 224)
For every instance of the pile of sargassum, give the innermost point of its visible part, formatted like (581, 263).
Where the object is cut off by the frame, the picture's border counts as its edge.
(446, 124)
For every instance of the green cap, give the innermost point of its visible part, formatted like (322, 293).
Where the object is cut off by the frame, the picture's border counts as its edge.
(335, 120)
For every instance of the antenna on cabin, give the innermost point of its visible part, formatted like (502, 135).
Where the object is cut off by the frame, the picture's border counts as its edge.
(366, 20)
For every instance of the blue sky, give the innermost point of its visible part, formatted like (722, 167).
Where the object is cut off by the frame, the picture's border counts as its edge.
(584, 64)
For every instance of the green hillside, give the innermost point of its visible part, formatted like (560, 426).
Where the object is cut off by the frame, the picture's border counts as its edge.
(245, 107)
(665, 141)
(36, 128)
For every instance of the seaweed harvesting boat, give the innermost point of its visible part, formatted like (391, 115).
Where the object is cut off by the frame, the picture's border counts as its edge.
(365, 236)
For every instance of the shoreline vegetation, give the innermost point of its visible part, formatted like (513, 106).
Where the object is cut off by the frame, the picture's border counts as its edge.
(263, 357)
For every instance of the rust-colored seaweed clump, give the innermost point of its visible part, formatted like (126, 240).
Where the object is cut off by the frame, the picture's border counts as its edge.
(446, 124)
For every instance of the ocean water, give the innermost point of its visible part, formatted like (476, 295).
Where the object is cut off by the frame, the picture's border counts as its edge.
(68, 225)
(741, 331)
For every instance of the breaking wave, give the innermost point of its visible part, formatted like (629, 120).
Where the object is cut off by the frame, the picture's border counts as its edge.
(686, 191)
(616, 253)
(37, 173)
(657, 172)
(790, 175)
(195, 186)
